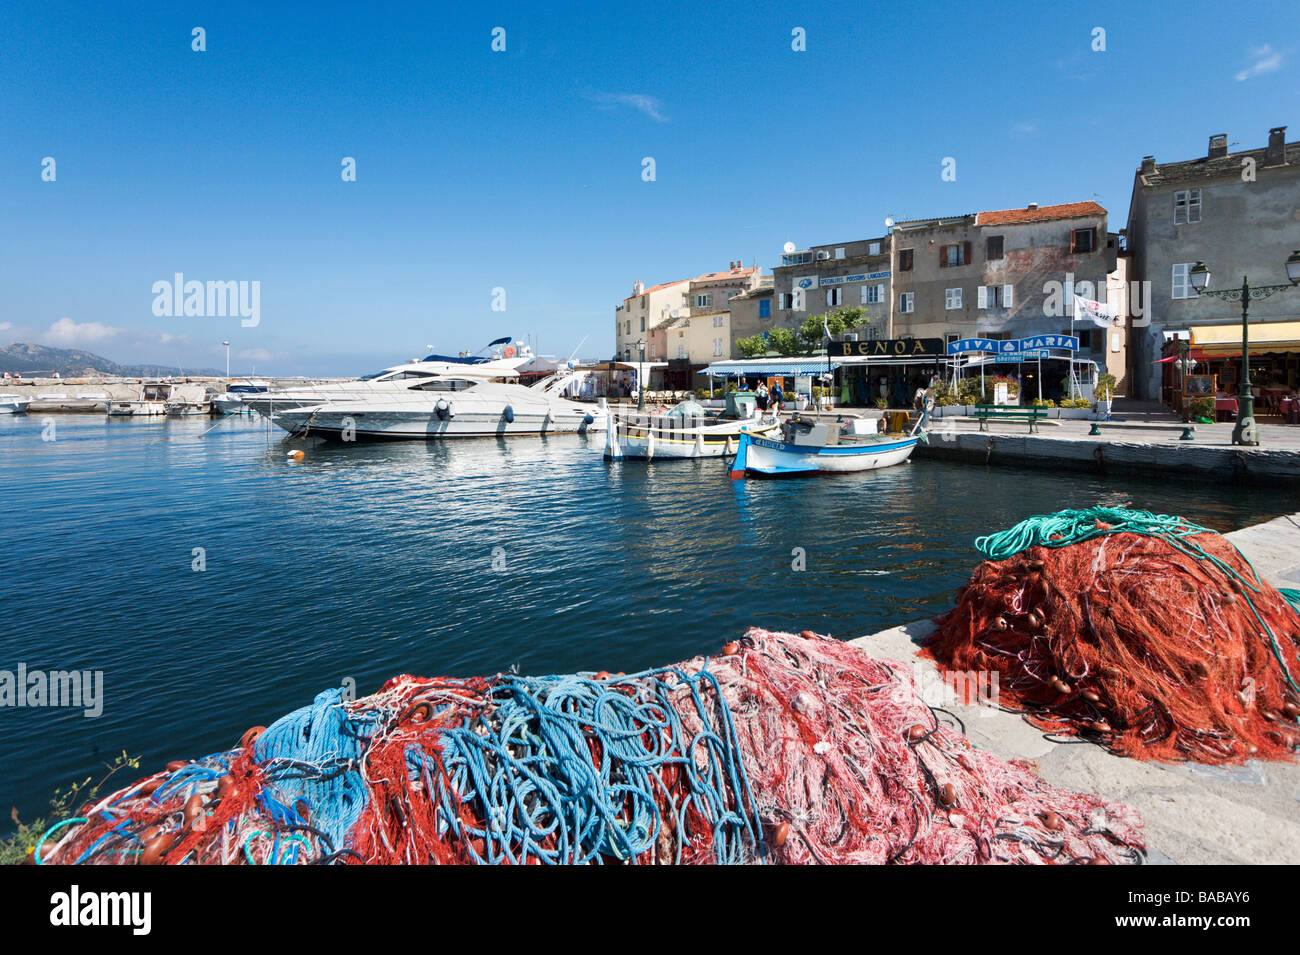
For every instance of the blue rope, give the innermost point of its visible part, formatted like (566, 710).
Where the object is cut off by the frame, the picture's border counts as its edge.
(528, 770)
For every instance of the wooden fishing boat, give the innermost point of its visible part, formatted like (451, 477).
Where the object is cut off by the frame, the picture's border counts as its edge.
(687, 430)
(812, 446)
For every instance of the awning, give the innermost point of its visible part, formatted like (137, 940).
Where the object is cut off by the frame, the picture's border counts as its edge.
(768, 366)
(865, 361)
(1220, 341)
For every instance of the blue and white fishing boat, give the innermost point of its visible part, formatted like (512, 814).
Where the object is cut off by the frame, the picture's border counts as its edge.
(812, 446)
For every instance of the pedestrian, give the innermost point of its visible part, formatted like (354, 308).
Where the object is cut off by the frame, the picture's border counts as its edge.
(762, 396)
(777, 396)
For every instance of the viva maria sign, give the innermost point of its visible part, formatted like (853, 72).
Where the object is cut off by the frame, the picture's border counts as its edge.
(1014, 346)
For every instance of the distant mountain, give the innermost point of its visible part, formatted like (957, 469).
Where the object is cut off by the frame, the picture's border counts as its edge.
(42, 361)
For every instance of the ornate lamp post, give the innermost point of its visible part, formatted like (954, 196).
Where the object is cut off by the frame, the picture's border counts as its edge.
(1246, 431)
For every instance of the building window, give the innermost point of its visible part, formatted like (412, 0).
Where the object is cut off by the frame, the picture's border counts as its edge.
(642, 323)
(1187, 206)
(834, 296)
(906, 302)
(1180, 286)
(954, 256)
(871, 294)
(986, 296)
(717, 347)
(765, 308)
(786, 301)
(952, 298)
(1083, 240)
(629, 326)
(704, 301)
(993, 248)
(717, 321)
(652, 350)
(873, 248)
(904, 260)
(796, 258)
(839, 252)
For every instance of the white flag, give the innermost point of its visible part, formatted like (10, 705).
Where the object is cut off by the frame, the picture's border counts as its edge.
(1099, 312)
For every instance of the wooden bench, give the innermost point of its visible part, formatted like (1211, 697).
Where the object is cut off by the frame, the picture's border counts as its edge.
(986, 413)
(1187, 429)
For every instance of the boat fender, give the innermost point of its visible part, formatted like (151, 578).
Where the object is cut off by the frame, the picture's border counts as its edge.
(509, 414)
(588, 418)
(444, 410)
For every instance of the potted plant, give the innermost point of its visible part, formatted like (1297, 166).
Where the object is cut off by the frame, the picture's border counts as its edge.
(1104, 392)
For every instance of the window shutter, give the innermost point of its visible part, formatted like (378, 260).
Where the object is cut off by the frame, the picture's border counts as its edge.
(864, 295)
(1006, 295)
(943, 256)
(982, 297)
(965, 253)
(880, 292)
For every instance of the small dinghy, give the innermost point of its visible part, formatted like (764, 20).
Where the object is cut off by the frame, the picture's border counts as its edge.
(812, 446)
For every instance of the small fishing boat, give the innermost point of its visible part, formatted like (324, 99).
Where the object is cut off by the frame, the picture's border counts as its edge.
(812, 446)
(13, 404)
(687, 430)
(152, 401)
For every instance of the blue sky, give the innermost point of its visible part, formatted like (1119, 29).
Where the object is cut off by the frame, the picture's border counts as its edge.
(522, 170)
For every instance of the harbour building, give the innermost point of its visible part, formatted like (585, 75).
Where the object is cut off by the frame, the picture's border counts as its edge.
(1236, 211)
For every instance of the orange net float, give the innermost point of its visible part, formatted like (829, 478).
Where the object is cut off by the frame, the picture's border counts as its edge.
(1150, 636)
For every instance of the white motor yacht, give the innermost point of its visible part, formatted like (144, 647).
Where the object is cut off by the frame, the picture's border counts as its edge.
(433, 406)
(231, 401)
(503, 363)
(14, 404)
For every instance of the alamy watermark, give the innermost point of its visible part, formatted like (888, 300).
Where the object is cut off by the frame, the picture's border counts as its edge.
(53, 688)
(179, 298)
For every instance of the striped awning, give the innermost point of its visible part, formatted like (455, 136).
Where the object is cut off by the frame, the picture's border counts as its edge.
(768, 366)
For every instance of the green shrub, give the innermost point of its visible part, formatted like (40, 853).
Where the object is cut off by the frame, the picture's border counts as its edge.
(19, 846)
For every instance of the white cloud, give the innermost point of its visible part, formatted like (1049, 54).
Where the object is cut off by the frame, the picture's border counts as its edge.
(646, 104)
(1025, 128)
(5, 326)
(255, 354)
(67, 332)
(1264, 59)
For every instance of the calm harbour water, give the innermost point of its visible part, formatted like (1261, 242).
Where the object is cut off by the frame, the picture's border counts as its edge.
(369, 560)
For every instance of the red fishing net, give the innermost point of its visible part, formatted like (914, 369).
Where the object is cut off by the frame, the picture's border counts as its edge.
(784, 749)
(1156, 647)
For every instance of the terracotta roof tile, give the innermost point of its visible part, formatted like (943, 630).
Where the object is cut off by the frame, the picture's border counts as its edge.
(1069, 210)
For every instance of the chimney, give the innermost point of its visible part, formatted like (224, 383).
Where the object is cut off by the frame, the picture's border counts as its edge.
(1218, 146)
(1148, 165)
(1275, 153)
(1032, 206)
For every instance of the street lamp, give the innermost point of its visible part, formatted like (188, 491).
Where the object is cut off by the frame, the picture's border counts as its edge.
(1246, 432)
(227, 344)
(640, 378)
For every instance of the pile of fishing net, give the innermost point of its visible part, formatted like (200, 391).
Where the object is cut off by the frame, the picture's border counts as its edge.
(783, 749)
(1145, 633)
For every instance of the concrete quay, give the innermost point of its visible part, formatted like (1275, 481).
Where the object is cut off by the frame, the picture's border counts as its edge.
(1132, 444)
(1193, 814)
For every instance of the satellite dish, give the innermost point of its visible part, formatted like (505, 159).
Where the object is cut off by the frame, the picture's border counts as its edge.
(889, 222)
(789, 247)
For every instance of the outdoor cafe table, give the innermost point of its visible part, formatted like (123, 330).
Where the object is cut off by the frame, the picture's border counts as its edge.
(1224, 405)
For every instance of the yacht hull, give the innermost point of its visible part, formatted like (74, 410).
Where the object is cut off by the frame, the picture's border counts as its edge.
(372, 425)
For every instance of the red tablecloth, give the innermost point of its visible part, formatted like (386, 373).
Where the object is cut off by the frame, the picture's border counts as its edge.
(1225, 404)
